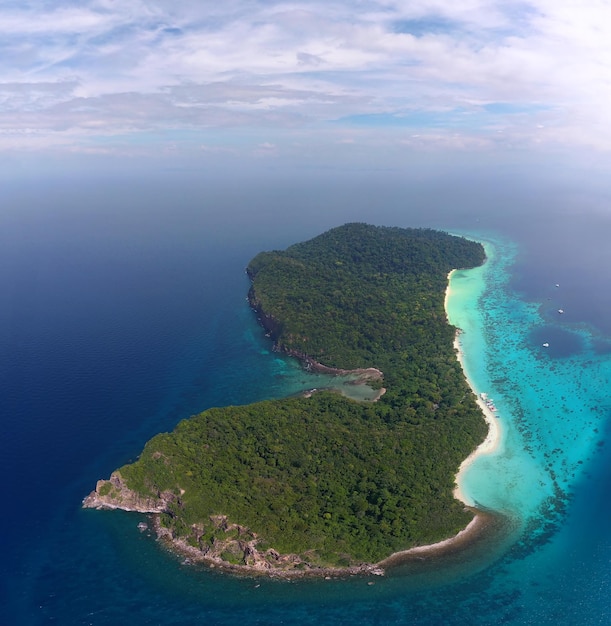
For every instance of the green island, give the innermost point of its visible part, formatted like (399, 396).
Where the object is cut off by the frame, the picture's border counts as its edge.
(318, 482)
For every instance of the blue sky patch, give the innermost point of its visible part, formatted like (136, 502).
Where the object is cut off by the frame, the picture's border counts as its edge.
(510, 108)
(455, 118)
(429, 26)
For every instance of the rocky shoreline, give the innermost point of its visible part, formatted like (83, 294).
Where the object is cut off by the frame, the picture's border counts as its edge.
(267, 563)
(239, 553)
(241, 544)
(115, 494)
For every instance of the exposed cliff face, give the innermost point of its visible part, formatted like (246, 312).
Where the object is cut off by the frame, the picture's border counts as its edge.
(273, 329)
(271, 325)
(115, 494)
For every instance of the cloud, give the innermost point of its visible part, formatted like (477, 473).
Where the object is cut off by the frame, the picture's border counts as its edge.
(75, 71)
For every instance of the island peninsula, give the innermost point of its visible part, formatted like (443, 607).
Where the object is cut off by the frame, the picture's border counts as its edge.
(324, 483)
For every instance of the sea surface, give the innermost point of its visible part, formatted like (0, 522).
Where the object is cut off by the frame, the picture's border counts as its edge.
(123, 311)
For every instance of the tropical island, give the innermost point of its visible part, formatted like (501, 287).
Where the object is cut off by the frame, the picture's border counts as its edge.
(321, 482)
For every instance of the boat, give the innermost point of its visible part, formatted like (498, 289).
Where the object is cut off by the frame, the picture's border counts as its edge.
(546, 345)
(560, 311)
(489, 402)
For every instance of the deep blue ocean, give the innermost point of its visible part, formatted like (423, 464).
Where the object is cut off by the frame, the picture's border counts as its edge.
(123, 311)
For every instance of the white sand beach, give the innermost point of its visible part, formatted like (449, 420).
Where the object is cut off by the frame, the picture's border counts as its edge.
(488, 446)
(493, 438)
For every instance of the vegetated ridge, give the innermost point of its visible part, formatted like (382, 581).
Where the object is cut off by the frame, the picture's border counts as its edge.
(325, 481)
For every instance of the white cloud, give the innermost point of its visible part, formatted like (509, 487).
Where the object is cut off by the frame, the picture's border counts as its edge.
(132, 67)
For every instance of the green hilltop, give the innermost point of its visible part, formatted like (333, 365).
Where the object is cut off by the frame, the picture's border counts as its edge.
(331, 480)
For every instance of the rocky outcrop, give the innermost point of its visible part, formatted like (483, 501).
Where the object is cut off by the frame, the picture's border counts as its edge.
(272, 326)
(232, 546)
(115, 494)
(237, 549)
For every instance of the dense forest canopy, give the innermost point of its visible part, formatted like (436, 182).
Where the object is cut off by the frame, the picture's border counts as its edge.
(335, 480)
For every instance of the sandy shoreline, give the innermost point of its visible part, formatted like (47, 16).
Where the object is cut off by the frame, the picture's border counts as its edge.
(490, 443)
(477, 528)
(477, 525)
(493, 438)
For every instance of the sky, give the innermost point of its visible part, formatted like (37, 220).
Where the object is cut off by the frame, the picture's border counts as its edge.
(336, 81)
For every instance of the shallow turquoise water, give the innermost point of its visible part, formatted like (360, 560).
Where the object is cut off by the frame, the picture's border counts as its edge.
(552, 400)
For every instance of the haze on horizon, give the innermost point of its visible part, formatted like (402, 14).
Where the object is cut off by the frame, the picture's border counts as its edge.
(367, 84)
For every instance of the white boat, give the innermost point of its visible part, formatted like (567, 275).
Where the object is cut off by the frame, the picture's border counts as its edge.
(546, 345)
(560, 311)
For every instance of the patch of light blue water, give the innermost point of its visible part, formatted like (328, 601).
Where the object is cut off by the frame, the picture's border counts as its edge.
(289, 378)
(552, 399)
(297, 381)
